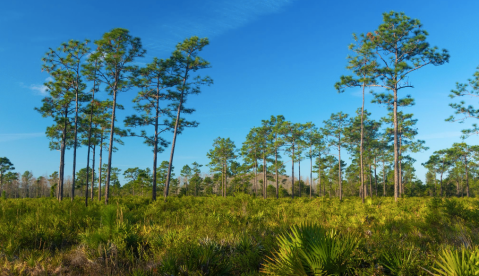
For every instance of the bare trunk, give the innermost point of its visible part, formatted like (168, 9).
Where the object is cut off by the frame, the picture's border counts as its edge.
(384, 179)
(376, 175)
(264, 178)
(99, 168)
(110, 149)
(361, 168)
(370, 182)
(299, 174)
(155, 149)
(276, 168)
(396, 149)
(339, 177)
(75, 150)
(92, 173)
(467, 177)
(292, 175)
(311, 177)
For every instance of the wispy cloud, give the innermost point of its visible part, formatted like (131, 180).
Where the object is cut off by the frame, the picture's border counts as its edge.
(39, 89)
(217, 17)
(6, 137)
(440, 135)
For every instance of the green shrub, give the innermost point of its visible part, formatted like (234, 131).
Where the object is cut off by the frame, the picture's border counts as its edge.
(311, 250)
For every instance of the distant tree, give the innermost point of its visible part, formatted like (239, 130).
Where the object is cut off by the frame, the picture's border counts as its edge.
(291, 134)
(220, 156)
(250, 150)
(187, 62)
(399, 45)
(187, 174)
(5, 166)
(276, 125)
(196, 170)
(335, 128)
(463, 153)
(314, 140)
(117, 50)
(161, 173)
(137, 178)
(471, 89)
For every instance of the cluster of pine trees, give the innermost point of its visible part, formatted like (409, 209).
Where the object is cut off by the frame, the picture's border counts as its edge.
(382, 60)
(79, 72)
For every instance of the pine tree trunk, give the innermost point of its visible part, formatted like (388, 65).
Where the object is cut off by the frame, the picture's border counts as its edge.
(361, 166)
(62, 158)
(299, 174)
(370, 182)
(311, 177)
(92, 174)
(339, 177)
(110, 149)
(376, 175)
(292, 175)
(467, 177)
(264, 178)
(155, 150)
(384, 180)
(75, 151)
(99, 168)
(396, 148)
(276, 168)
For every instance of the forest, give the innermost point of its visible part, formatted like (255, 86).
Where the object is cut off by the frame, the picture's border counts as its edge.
(357, 208)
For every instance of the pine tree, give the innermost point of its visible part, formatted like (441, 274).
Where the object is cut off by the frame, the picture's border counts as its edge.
(117, 50)
(187, 63)
(335, 129)
(399, 46)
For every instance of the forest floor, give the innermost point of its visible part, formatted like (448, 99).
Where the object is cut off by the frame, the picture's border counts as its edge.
(238, 235)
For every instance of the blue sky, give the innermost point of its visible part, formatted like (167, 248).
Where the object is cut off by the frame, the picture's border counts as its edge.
(268, 57)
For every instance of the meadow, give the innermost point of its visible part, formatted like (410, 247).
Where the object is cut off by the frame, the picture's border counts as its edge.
(239, 235)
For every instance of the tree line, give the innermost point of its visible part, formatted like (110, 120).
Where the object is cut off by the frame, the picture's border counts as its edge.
(383, 60)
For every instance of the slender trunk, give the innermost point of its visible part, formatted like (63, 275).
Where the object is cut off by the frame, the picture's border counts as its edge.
(255, 178)
(319, 177)
(75, 151)
(276, 168)
(441, 185)
(110, 149)
(361, 168)
(167, 184)
(92, 173)
(299, 174)
(396, 148)
(370, 182)
(467, 177)
(155, 150)
(376, 175)
(89, 145)
(62, 157)
(264, 178)
(99, 168)
(311, 177)
(339, 177)
(292, 175)
(384, 179)
(400, 176)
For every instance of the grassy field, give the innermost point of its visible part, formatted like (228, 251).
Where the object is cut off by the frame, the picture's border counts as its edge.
(238, 235)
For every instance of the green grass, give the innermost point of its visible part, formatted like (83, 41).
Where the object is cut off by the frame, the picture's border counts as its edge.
(238, 235)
